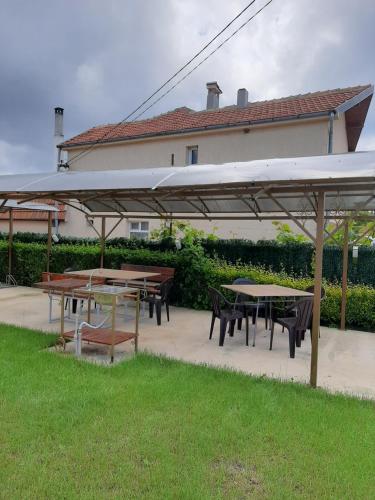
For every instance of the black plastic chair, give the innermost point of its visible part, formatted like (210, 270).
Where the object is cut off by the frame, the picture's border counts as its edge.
(227, 314)
(322, 295)
(296, 324)
(247, 307)
(159, 299)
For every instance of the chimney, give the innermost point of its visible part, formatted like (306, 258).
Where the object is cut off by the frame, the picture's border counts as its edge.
(242, 98)
(59, 119)
(58, 135)
(213, 95)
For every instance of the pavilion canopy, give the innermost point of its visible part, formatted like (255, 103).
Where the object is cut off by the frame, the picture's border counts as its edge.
(6, 205)
(258, 186)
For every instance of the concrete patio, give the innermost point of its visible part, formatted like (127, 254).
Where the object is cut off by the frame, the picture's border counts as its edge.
(346, 359)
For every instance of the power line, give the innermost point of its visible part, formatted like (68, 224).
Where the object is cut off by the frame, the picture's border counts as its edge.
(114, 127)
(108, 134)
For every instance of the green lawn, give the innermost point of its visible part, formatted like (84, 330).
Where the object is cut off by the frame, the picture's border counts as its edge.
(154, 428)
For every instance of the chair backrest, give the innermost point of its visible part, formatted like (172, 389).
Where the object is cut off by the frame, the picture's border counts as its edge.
(241, 297)
(303, 308)
(312, 288)
(165, 289)
(216, 300)
(164, 272)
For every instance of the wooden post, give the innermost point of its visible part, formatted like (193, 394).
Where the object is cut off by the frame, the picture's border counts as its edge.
(344, 280)
(49, 240)
(317, 289)
(10, 242)
(102, 243)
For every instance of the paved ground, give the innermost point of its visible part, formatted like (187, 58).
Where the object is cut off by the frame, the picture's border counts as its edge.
(346, 359)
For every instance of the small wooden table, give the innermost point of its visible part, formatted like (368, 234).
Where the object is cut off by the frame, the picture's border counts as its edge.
(268, 292)
(104, 335)
(61, 287)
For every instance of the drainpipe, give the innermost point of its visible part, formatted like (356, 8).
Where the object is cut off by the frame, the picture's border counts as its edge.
(330, 131)
(58, 138)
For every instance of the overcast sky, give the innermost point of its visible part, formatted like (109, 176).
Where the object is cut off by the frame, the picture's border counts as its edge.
(98, 60)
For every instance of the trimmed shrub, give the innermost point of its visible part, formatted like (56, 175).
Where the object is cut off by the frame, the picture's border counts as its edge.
(194, 273)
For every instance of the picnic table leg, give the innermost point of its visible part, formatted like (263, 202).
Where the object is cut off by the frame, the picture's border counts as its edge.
(255, 324)
(136, 321)
(112, 349)
(78, 333)
(143, 302)
(62, 312)
(89, 309)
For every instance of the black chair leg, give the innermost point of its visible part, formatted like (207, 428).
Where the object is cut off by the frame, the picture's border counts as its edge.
(151, 309)
(231, 327)
(74, 306)
(239, 323)
(292, 343)
(212, 325)
(298, 339)
(223, 327)
(271, 337)
(158, 312)
(167, 309)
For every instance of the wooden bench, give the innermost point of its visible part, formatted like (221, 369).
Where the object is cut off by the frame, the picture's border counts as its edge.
(153, 282)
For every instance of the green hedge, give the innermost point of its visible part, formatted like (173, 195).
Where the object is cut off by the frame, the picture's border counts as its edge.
(194, 273)
(294, 259)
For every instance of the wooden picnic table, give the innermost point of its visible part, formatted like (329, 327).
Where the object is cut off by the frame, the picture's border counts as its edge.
(62, 286)
(118, 274)
(267, 293)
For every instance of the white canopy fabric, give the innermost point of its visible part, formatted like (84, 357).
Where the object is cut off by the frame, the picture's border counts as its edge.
(232, 188)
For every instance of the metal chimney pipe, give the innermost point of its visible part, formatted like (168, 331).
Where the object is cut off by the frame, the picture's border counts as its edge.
(242, 98)
(213, 94)
(58, 134)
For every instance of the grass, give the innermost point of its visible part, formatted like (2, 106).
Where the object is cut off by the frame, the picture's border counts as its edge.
(155, 428)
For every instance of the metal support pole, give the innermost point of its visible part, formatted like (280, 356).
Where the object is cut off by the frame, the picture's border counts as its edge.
(344, 280)
(317, 289)
(49, 240)
(102, 243)
(10, 242)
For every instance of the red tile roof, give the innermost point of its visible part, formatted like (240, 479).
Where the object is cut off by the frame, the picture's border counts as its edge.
(185, 119)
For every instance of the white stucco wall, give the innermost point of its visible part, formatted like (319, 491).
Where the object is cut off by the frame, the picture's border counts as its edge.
(302, 138)
(288, 139)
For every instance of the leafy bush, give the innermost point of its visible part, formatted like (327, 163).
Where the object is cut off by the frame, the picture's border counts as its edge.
(194, 273)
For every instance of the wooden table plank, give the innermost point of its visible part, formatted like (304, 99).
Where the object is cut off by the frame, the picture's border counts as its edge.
(63, 285)
(268, 291)
(103, 336)
(114, 274)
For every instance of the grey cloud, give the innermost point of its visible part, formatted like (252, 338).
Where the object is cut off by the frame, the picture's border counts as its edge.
(99, 60)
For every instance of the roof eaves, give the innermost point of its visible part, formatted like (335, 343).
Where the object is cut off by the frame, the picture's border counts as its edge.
(350, 103)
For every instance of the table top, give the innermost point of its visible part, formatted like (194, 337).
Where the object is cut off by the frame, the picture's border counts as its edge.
(268, 291)
(63, 285)
(114, 274)
(106, 290)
